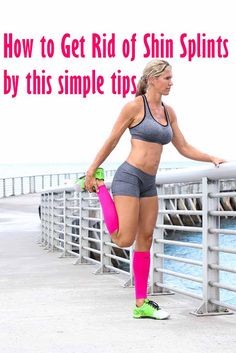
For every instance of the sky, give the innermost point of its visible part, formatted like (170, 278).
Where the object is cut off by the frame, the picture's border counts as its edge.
(60, 128)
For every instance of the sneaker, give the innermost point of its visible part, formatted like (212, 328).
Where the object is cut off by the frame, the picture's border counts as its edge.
(99, 174)
(79, 183)
(150, 310)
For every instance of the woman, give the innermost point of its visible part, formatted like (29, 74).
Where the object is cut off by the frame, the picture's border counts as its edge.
(132, 215)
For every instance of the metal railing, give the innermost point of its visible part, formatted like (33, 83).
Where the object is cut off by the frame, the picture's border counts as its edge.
(21, 185)
(191, 201)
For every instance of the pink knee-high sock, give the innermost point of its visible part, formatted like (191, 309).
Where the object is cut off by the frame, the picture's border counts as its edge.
(141, 266)
(108, 209)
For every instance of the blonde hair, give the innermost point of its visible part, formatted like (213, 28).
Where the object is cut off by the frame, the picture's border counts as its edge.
(153, 69)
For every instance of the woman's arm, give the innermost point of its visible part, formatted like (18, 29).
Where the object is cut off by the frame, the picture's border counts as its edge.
(185, 148)
(124, 120)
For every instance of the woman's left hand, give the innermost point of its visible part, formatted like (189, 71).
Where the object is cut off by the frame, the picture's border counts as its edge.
(217, 161)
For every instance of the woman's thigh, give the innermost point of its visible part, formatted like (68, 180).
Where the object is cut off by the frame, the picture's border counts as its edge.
(148, 210)
(128, 215)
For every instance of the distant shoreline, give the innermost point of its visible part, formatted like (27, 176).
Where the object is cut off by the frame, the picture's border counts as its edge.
(8, 170)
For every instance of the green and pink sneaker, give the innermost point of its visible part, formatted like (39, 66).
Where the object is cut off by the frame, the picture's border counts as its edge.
(150, 310)
(79, 183)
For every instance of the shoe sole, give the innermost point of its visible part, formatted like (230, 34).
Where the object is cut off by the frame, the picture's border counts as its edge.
(150, 317)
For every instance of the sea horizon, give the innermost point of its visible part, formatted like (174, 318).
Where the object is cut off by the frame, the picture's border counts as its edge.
(8, 170)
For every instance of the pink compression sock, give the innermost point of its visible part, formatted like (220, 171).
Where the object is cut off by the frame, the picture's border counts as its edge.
(108, 209)
(141, 266)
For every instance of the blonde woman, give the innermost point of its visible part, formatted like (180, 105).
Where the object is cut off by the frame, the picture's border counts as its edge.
(132, 212)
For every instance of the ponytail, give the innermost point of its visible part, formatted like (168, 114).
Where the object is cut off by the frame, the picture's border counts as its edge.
(141, 86)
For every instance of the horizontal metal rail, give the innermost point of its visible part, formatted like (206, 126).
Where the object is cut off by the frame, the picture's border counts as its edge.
(222, 231)
(222, 194)
(76, 236)
(183, 228)
(73, 253)
(122, 259)
(181, 212)
(222, 286)
(89, 259)
(112, 268)
(98, 241)
(27, 184)
(222, 304)
(91, 250)
(113, 245)
(221, 249)
(178, 274)
(223, 213)
(73, 244)
(179, 259)
(222, 268)
(179, 243)
(179, 196)
(178, 290)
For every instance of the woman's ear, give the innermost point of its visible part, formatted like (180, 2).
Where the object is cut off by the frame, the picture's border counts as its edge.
(150, 80)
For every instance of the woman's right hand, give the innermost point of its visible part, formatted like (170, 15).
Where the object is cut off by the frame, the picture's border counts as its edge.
(90, 183)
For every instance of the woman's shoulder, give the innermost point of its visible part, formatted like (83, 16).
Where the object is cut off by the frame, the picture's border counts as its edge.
(135, 105)
(171, 112)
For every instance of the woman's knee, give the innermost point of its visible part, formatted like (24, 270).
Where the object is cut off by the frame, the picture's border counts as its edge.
(123, 240)
(148, 238)
(145, 239)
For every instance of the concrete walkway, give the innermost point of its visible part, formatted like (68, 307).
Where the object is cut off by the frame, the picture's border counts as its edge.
(48, 305)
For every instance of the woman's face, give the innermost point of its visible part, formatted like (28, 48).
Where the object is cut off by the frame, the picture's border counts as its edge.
(162, 84)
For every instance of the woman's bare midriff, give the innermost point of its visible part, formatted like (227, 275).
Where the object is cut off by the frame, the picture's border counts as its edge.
(145, 155)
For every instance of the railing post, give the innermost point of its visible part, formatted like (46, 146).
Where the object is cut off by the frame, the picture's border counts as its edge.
(43, 219)
(48, 243)
(47, 221)
(4, 187)
(67, 228)
(79, 260)
(130, 281)
(21, 186)
(50, 221)
(51, 205)
(105, 249)
(84, 224)
(30, 184)
(33, 184)
(157, 247)
(209, 240)
(64, 223)
(13, 186)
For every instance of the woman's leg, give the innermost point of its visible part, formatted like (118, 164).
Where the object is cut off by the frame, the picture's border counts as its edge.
(141, 261)
(108, 208)
(127, 208)
(147, 220)
(120, 216)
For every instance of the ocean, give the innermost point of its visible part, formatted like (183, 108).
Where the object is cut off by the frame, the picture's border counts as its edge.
(8, 170)
(225, 259)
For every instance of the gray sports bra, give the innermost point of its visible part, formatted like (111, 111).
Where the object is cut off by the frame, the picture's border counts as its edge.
(150, 130)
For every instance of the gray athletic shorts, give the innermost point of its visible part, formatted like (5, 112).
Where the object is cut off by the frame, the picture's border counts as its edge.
(131, 181)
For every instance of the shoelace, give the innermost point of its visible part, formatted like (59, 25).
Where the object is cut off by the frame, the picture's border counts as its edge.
(154, 305)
